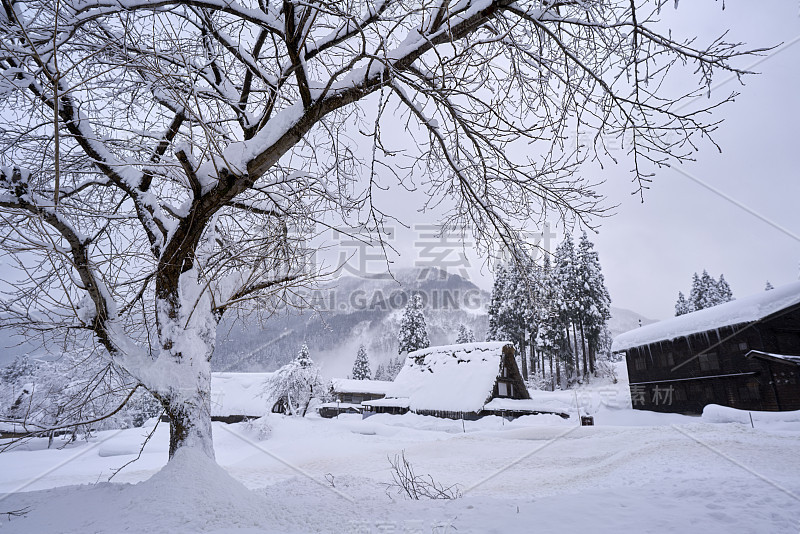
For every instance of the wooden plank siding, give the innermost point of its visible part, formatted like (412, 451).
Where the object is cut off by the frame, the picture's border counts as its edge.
(685, 374)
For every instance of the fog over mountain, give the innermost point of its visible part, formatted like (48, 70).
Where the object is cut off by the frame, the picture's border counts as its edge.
(351, 311)
(355, 310)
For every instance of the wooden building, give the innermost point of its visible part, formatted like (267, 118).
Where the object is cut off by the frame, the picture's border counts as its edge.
(744, 354)
(457, 382)
(349, 394)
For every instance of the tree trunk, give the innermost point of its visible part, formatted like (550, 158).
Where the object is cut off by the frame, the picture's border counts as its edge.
(576, 352)
(533, 358)
(558, 373)
(523, 360)
(552, 384)
(583, 346)
(181, 376)
(190, 424)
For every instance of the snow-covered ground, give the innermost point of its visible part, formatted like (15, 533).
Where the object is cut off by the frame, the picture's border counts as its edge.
(633, 471)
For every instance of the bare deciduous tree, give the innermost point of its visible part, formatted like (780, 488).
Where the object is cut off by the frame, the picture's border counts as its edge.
(160, 156)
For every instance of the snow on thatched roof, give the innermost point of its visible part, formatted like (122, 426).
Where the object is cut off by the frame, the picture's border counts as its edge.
(457, 378)
(739, 311)
(238, 394)
(348, 385)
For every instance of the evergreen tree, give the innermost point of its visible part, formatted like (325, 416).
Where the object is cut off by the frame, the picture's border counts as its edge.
(303, 359)
(723, 293)
(565, 277)
(495, 331)
(465, 334)
(697, 295)
(682, 307)
(706, 292)
(593, 301)
(413, 333)
(551, 339)
(710, 291)
(361, 370)
(768, 286)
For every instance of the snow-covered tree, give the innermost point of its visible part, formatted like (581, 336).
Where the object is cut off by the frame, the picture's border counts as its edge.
(413, 333)
(697, 295)
(768, 286)
(495, 332)
(71, 394)
(552, 339)
(682, 307)
(706, 292)
(161, 162)
(465, 334)
(361, 370)
(390, 371)
(296, 383)
(594, 303)
(724, 293)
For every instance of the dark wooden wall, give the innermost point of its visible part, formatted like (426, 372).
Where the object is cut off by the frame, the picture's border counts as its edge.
(683, 375)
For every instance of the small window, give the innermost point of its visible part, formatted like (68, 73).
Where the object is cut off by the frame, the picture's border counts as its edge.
(640, 364)
(666, 359)
(743, 346)
(709, 361)
(502, 389)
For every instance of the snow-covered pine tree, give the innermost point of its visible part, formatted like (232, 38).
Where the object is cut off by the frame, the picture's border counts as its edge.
(515, 310)
(380, 373)
(552, 336)
(465, 334)
(710, 291)
(392, 369)
(682, 307)
(723, 293)
(768, 286)
(361, 370)
(594, 302)
(413, 333)
(565, 277)
(303, 357)
(697, 294)
(495, 331)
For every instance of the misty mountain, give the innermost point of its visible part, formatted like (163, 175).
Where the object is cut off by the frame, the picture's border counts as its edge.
(623, 320)
(351, 311)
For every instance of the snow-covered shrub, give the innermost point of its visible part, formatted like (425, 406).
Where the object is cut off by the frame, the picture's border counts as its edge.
(295, 384)
(259, 427)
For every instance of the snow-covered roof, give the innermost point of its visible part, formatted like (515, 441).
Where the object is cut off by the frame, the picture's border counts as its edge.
(238, 394)
(455, 378)
(348, 385)
(739, 311)
(788, 358)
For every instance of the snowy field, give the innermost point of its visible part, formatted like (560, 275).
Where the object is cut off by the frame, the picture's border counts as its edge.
(632, 472)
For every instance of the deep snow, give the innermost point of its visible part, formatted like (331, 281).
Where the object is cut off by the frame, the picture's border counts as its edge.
(634, 471)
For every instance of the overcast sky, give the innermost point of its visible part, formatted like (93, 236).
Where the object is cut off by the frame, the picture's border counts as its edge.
(749, 228)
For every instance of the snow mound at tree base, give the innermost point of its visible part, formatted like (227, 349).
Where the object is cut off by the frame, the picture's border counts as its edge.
(190, 494)
(714, 413)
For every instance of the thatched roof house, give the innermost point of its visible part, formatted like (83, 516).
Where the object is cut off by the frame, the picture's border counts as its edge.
(457, 382)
